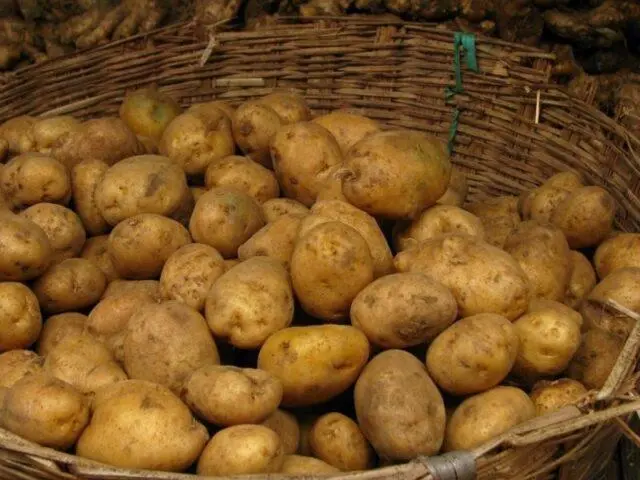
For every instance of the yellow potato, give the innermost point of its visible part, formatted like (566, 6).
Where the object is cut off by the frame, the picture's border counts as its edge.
(332, 187)
(18, 133)
(96, 250)
(560, 309)
(568, 180)
(286, 426)
(58, 327)
(581, 281)
(594, 360)
(26, 251)
(17, 364)
(229, 263)
(220, 105)
(275, 240)
(254, 125)
(47, 131)
(617, 252)
(348, 127)
(290, 107)
(243, 174)
(85, 177)
(303, 465)
(540, 203)
(197, 192)
(277, 207)
(20, 318)
(499, 216)
(117, 287)
(457, 190)
(550, 396)
(147, 111)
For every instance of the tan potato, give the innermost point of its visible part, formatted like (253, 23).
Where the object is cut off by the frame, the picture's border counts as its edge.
(243, 174)
(117, 287)
(348, 127)
(593, 362)
(541, 304)
(581, 281)
(85, 177)
(540, 203)
(242, 449)
(33, 178)
(45, 410)
(486, 415)
(17, 364)
(483, 278)
(621, 251)
(303, 465)
(303, 157)
(62, 226)
(96, 250)
(229, 263)
(277, 207)
(141, 184)
(138, 424)
(403, 310)
(18, 133)
(26, 251)
(290, 107)
(338, 440)
(197, 192)
(314, 363)
(165, 343)
(551, 396)
(474, 354)
(457, 190)
(226, 395)
(47, 131)
(147, 111)
(331, 188)
(225, 219)
(71, 285)
(329, 267)
(58, 327)
(399, 408)
(226, 108)
(20, 318)
(139, 246)
(286, 426)
(254, 125)
(568, 180)
(499, 216)
(275, 240)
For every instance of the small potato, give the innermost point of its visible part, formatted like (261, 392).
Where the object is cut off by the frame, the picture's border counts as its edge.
(26, 251)
(117, 287)
(457, 190)
(596, 357)
(85, 177)
(197, 192)
(17, 364)
(551, 396)
(330, 265)
(18, 133)
(473, 355)
(45, 410)
(243, 174)
(276, 207)
(71, 285)
(314, 363)
(62, 226)
(338, 440)
(568, 180)
(47, 131)
(403, 310)
(540, 203)
(254, 125)
(486, 415)
(303, 465)
(225, 395)
(303, 156)
(499, 216)
(33, 178)
(289, 106)
(225, 219)
(399, 408)
(275, 240)
(250, 302)
(226, 108)
(139, 246)
(286, 426)
(142, 425)
(348, 127)
(147, 111)
(242, 449)
(581, 281)
(165, 343)
(58, 327)
(617, 252)
(189, 273)
(20, 318)
(96, 250)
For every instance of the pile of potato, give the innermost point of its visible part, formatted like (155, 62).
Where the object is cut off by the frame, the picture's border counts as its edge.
(250, 290)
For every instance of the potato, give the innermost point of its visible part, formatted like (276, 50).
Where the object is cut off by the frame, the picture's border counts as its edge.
(485, 416)
(275, 240)
(399, 408)
(18, 133)
(540, 203)
(581, 281)
(226, 395)
(33, 178)
(569, 180)
(551, 396)
(250, 302)
(348, 127)
(17, 364)
(396, 174)
(303, 465)
(436, 221)
(58, 327)
(290, 107)
(473, 355)
(254, 125)
(403, 310)
(330, 264)
(276, 207)
(20, 318)
(338, 440)
(139, 246)
(225, 219)
(47, 131)
(483, 278)
(197, 192)
(243, 174)
(242, 449)
(85, 177)
(96, 250)
(165, 343)
(229, 263)
(457, 190)
(303, 156)
(331, 188)
(617, 252)
(147, 111)
(286, 426)
(62, 226)
(226, 108)
(586, 216)
(139, 424)
(117, 287)
(596, 357)
(45, 410)
(314, 363)
(306, 421)
(499, 216)
(26, 251)
(541, 304)
(189, 273)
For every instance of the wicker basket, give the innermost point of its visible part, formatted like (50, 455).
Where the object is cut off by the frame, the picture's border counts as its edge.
(514, 129)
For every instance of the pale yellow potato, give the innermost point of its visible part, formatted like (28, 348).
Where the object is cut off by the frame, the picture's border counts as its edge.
(58, 327)
(20, 318)
(46, 131)
(229, 263)
(226, 108)
(457, 190)
(549, 396)
(540, 203)
(18, 133)
(568, 180)
(304, 465)
(85, 177)
(290, 107)
(348, 127)
(242, 449)
(139, 246)
(620, 251)
(499, 216)
(581, 281)
(474, 354)
(254, 125)
(197, 192)
(26, 251)
(403, 310)
(277, 207)
(275, 240)
(17, 364)
(225, 219)
(592, 363)
(286, 426)
(165, 343)
(96, 250)
(147, 111)
(314, 363)
(243, 174)
(142, 425)
(399, 408)
(332, 187)
(485, 416)
(118, 286)
(541, 304)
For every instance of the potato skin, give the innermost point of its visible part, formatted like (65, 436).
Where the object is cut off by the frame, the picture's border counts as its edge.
(581, 281)
(276, 207)
(473, 355)
(620, 251)
(96, 250)
(290, 107)
(592, 363)
(17, 364)
(314, 363)
(550, 396)
(275, 240)
(118, 287)
(457, 190)
(26, 251)
(540, 203)
(399, 408)
(147, 111)
(303, 465)
(254, 125)
(286, 426)
(20, 318)
(403, 310)
(85, 178)
(499, 216)
(348, 127)
(58, 327)
(243, 174)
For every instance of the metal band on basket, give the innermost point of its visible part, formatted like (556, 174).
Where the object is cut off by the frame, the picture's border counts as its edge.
(451, 466)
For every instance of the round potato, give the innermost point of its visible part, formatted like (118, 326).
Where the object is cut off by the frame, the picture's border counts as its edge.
(71, 285)
(47, 131)
(20, 318)
(85, 177)
(289, 106)
(17, 132)
(225, 219)
(58, 327)
(242, 449)
(150, 287)
(243, 174)
(457, 190)
(551, 396)
(403, 310)
(139, 246)
(96, 250)
(314, 363)
(303, 465)
(276, 207)
(620, 251)
(254, 125)
(499, 216)
(347, 127)
(540, 203)
(286, 426)
(399, 408)
(26, 251)
(568, 180)
(581, 281)
(275, 240)
(473, 355)
(147, 111)
(596, 357)
(541, 304)
(17, 364)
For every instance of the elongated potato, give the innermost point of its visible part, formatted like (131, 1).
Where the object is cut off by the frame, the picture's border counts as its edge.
(58, 327)
(620, 251)
(276, 207)
(550, 396)
(20, 318)
(243, 174)
(96, 250)
(26, 251)
(275, 240)
(85, 177)
(348, 127)
(581, 281)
